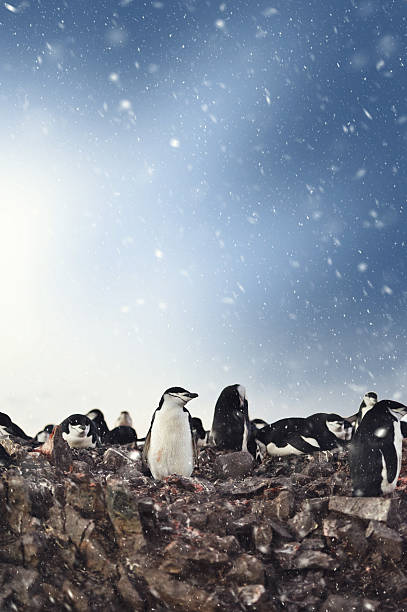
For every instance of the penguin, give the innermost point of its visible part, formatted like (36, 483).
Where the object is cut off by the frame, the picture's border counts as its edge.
(120, 435)
(169, 447)
(8, 428)
(297, 436)
(375, 450)
(43, 435)
(99, 420)
(198, 431)
(368, 401)
(124, 419)
(79, 431)
(258, 423)
(231, 428)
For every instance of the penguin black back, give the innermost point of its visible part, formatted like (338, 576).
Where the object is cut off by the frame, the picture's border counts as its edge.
(121, 435)
(8, 428)
(231, 428)
(99, 420)
(375, 450)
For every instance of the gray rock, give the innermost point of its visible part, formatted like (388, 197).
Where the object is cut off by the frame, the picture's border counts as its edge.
(388, 541)
(369, 508)
(318, 506)
(246, 569)
(281, 507)
(340, 603)
(262, 538)
(302, 524)
(315, 559)
(234, 465)
(248, 487)
(347, 531)
(252, 594)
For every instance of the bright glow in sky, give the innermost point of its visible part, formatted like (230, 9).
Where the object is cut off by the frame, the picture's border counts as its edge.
(201, 194)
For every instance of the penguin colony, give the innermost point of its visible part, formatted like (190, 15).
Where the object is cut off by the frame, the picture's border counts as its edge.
(373, 435)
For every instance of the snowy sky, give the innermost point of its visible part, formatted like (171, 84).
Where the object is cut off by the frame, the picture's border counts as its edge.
(199, 193)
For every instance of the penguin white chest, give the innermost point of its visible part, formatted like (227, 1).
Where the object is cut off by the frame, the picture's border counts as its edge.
(170, 449)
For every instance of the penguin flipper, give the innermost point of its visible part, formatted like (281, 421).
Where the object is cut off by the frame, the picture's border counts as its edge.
(390, 459)
(300, 443)
(146, 447)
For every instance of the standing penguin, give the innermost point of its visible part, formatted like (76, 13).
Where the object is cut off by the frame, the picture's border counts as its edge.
(368, 401)
(231, 429)
(169, 447)
(375, 450)
(98, 419)
(79, 431)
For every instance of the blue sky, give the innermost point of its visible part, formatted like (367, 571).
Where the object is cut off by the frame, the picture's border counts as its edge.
(200, 194)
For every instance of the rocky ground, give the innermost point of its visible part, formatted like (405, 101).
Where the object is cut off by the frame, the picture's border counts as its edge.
(92, 532)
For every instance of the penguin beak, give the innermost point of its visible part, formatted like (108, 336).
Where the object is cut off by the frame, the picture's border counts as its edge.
(192, 395)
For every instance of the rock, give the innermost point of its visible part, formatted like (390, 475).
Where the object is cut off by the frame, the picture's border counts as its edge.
(315, 559)
(317, 506)
(262, 538)
(180, 596)
(128, 592)
(234, 465)
(347, 531)
(19, 504)
(57, 450)
(290, 556)
(369, 508)
(85, 495)
(388, 541)
(281, 507)
(303, 591)
(302, 524)
(76, 526)
(246, 569)
(340, 603)
(252, 594)
(123, 512)
(286, 554)
(246, 488)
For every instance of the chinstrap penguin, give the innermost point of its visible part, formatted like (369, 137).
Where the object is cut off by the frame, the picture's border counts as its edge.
(43, 435)
(79, 431)
(8, 428)
(124, 419)
(98, 419)
(121, 435)
(258, 423)
(376, 449)
(368, 401)
(198, 431)
(231, 429)
(169, 447)
(297, 436)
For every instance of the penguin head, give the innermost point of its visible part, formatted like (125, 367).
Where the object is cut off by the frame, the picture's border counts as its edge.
(197, 428)
(124, 420)
(395, 408)
(76, 426)
(258, 424)
(339, 427)
(95, 415)
(5, 420)
(176, 396)
(369, 399)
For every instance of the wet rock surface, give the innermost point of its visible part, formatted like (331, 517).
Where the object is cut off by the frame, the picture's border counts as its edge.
(93, 532)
